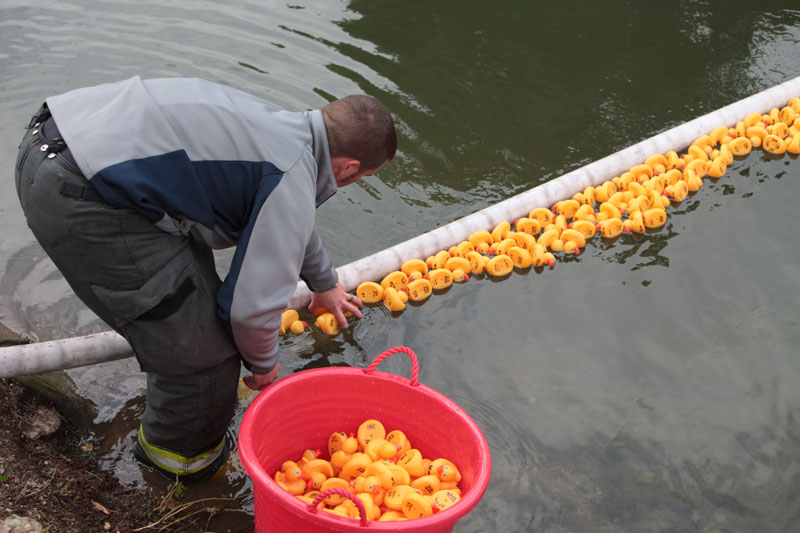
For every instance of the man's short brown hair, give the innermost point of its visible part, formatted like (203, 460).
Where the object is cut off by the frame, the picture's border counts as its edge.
(360, 127)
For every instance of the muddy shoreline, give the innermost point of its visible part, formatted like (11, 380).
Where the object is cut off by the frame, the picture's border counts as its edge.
(53, 480)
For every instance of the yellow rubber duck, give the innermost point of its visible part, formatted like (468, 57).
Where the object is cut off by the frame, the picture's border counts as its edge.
(440, 278)
(288, 317)
(654, 218)
(501, 247)
(396, 280)
(378, 449)
(370, 292)
(307, 456)
(567, 208)
(481, 237)
(369, 430)
(520, 257)
(499, 265)
(459, 276)
(573, 235)
(585, 213)
(438, 261)
(611, 228)
(411, 461)
(414, 268)
(531, 226)
(368, 484)
(419, 290)
(355, 467)
(394, 496)
(318, 465)
(380, 470)
(793, 147)
(315, 481)
(392, 516)
(427, 484)
(327, 323)
(298, 326)
(463, 248)
(334, 483)
(543, 215)
(444, 499)
(547, 237)
(500, 231)
(774, 144)
(392, 300)
(477, 262)
(445, 470)
(399, 439)
(458, 263)
(416, 506)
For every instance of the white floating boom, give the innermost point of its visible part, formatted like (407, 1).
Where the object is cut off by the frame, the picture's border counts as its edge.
(97, 348)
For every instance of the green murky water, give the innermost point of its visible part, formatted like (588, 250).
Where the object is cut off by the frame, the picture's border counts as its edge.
(648, 384)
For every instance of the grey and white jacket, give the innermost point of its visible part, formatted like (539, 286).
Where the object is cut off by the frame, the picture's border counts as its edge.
(208, 161)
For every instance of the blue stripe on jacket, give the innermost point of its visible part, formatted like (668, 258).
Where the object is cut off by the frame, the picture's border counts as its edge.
(213, 193)
(225, 294)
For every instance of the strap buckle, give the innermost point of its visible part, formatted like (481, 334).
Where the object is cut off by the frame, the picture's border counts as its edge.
(41, 115)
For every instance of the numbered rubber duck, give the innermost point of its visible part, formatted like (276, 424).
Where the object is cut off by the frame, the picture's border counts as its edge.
(463, 248)
(438, 261)
(419, 289)
(444, 499)
(399, 439)
(355, 467)
(369, 292)
(477, 262)
(427, 484)
(531, 226)
(416, 505)
(396, 280)
(411, 461)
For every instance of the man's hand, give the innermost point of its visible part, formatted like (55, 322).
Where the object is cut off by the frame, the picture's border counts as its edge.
(260, 381)
(337, 301)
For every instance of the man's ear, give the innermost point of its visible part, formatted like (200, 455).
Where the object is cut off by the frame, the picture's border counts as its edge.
(345, 166)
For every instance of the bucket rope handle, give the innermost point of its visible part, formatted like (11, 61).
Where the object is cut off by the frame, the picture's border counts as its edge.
(391, 351)
(362, 512)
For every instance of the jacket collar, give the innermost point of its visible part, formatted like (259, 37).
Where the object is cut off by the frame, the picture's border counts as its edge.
(326, 181)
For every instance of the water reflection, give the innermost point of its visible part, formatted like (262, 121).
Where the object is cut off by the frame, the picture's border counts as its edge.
(647, 384)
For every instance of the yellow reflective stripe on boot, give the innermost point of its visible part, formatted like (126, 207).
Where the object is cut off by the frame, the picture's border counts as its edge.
(176, 463)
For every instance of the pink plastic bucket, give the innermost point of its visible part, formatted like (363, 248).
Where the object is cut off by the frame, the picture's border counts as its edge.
(301, 411)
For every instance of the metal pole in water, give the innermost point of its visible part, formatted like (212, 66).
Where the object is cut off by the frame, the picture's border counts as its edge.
(108, 346)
